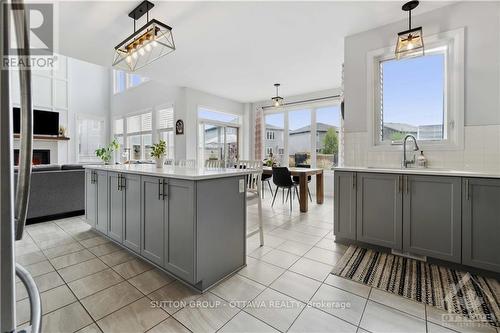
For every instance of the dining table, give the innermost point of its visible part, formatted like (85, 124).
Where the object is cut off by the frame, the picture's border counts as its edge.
(303, 173)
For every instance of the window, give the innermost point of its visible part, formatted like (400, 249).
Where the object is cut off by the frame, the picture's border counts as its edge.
(208, 114)
(91, 135)
(275, 123)
(327, 137)
(422, 96)
(139, 136)
(270, 135)
(123, 81)
(299, 138)
(269, 151)
(166, 129)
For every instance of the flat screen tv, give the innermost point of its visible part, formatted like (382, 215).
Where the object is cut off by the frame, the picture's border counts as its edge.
(44, 122)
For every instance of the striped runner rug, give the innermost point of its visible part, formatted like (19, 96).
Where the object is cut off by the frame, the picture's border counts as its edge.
(462, 293)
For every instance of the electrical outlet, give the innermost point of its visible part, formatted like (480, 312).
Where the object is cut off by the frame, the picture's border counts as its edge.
(242, 185)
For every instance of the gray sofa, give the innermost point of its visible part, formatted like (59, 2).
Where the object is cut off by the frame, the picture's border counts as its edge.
(56, 191)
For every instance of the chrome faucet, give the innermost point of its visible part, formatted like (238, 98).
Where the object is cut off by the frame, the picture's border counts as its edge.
(405, 163)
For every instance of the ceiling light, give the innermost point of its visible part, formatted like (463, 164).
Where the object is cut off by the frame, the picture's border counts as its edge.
(410, 42)
(130, 54)
(277, 100)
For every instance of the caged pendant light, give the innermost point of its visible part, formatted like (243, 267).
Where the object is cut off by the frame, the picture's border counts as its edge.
(410, 42)
(277, 100)
(147, 44)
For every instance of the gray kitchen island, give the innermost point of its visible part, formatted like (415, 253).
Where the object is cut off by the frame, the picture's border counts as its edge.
(189, 222)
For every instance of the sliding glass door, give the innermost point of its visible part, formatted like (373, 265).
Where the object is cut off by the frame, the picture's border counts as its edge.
(218, 142)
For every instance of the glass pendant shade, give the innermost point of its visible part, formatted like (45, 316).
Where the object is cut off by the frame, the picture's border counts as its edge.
(277, 100)
(410, 44)
(151, 42)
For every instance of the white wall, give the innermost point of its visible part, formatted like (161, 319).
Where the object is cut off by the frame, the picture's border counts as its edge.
(482, 86)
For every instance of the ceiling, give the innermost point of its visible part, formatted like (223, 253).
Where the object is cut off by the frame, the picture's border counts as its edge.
(237, 50)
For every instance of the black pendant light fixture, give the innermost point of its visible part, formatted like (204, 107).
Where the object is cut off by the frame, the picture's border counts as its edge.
(410, 42)
(277, 100)
(147, 44)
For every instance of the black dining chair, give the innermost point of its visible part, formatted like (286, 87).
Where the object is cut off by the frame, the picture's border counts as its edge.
(296, 179)
(282, 178)
(266, 179)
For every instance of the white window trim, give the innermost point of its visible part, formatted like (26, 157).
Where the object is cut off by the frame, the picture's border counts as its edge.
(87, 116)
(454, 103)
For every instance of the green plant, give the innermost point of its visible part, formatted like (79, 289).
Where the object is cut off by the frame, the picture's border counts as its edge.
(158, 150)
(330, 142)
(104, 153)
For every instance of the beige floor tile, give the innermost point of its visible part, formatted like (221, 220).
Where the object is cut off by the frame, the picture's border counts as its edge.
(457, 323)
(111, 299)
(312, 320)
(329, 244)
(54, 242)
(324, 256)
(71, 259)
(339, 303)
(169, 325)
(43, 282)
(103, 249)
(296, 286)
(238, 289)
(296, 248)
(56, 298)
(381, 318)
(400, 303)
(280, 258)
(117, 257)
(81, 235)
(92, 328)
(138, 316)
(67, 319)
(245, 323)
(312, 269)
(295, 236)
(39, 268)
(260, 271)
(151, 280)
(22, 311)
(91, 242)
(207, 314)
(30, 258)
(348, 285)
(62, 250)
(305, 229)
(173, 297)
(132, 268)
(275, 309)
(93, 283)
(78, 271)
(433, 328)
(261, 251)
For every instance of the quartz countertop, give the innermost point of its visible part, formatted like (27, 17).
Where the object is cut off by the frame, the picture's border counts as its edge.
(423, 171)
(171, 171)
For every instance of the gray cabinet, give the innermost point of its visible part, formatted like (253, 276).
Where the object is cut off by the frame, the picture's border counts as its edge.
(153, 219)
(116, 195)
(180, 231)
(379, 205)
(102, 201)
(131, 186)
(90, 197)
(345, 204)
(481, 223)
(432, 216)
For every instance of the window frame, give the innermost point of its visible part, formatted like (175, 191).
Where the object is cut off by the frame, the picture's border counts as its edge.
(159, 130)
(86, 116)
(453, 43)
(128, 83)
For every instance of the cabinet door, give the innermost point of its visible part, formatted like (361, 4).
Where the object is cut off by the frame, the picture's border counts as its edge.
(102, 201)
(90, 198)
(379, 209)
(179, 245)
(132, 219)
(481, 223)
(432, 216)
(345, 204)
(153, 220)
(115, 229)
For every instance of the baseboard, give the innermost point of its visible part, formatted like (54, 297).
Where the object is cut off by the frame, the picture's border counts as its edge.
(46, 218)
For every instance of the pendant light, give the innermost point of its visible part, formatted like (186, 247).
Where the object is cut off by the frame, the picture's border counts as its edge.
(147, 44)
(277, 100)
(410, 42)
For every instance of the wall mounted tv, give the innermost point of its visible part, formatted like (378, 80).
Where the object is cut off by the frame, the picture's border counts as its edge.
(44, 122)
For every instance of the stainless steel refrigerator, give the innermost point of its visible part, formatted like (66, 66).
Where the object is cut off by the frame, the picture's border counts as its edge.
(13, 206)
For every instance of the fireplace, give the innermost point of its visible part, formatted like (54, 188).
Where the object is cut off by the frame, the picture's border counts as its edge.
(40, 156)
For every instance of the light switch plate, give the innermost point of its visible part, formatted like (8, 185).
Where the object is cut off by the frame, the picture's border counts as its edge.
(242, 185)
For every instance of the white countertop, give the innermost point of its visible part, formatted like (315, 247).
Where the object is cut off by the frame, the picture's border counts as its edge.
(426, 171)
(170, 171)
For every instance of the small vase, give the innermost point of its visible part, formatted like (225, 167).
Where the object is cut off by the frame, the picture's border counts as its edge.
(160, 162)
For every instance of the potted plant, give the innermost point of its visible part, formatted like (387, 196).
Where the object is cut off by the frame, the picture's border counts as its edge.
(158, 152)
(106, 153)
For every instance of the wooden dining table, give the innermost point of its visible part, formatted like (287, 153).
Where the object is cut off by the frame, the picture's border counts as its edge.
(303, 173)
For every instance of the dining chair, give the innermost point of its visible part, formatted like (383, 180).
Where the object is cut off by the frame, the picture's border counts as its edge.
(296, 179)
(186, 163)
(282, 178)
(253, 196)
(214, 164)
(266, 179)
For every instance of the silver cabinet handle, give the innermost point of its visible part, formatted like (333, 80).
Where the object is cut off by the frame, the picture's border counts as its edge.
(26, 137)
(34, 298)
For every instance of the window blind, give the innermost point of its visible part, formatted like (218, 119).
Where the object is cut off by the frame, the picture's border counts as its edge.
(166, 118)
